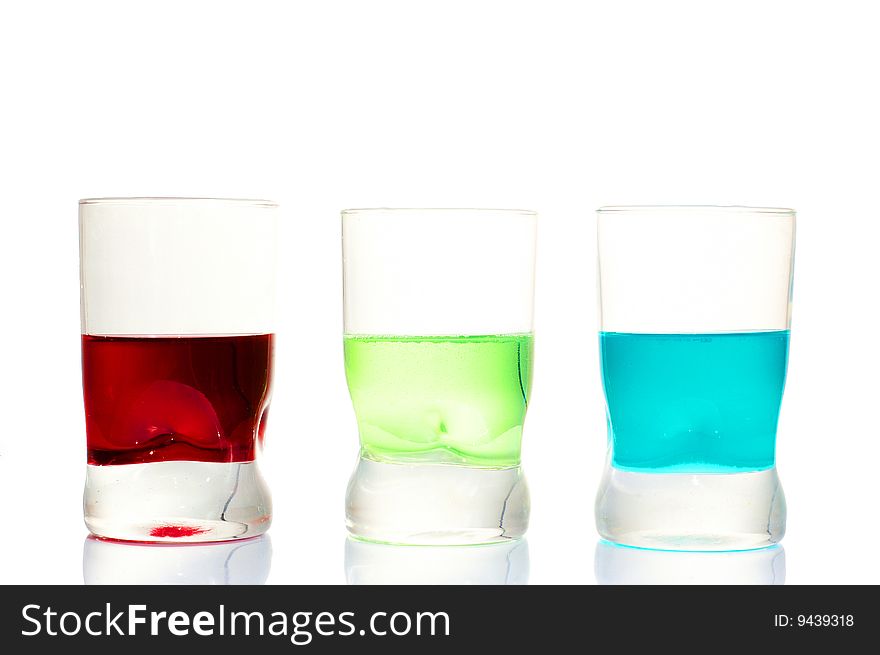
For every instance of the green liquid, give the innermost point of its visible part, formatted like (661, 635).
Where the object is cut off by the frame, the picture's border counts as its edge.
(456, 400)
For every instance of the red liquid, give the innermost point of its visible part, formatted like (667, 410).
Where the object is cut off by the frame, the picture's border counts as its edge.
(157, 399)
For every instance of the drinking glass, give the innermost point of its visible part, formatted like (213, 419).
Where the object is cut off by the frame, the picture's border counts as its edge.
(438, 358)
(177, 304)
(695, 315)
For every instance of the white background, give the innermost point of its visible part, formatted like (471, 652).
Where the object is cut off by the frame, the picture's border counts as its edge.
(555, 106)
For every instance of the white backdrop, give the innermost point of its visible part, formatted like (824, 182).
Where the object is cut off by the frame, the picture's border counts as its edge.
(555, 106)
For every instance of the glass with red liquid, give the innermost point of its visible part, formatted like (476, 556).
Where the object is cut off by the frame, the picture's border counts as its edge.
(178, 300)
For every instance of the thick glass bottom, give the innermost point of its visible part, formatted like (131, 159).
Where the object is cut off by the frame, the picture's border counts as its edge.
(178, 501)
(693, 512)
(436, 504)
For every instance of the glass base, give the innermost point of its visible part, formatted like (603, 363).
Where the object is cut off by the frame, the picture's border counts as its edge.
(436, 504)
(172, 502)
(678, 511)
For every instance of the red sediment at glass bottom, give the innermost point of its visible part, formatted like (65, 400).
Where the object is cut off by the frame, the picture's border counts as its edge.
(159, 399)
(175, 531)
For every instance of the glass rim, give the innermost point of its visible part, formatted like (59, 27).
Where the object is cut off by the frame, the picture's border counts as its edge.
(462, 210)
(174, 200)
(719, 209)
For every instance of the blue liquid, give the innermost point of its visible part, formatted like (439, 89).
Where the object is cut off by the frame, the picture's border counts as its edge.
(693, 403)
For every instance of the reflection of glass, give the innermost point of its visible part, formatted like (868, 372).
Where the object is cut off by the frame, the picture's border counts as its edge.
(246, 561)
(695, 313)
(495, 564)
(177, 323)
(622, 565)
(438, 358)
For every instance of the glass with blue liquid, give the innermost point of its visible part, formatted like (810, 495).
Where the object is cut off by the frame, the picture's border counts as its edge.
(695, 307)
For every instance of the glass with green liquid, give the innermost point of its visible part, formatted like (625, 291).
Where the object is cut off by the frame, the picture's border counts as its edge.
(694, 343)
(438, 358)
